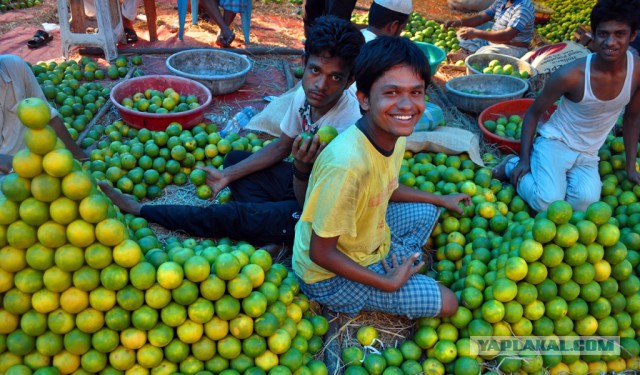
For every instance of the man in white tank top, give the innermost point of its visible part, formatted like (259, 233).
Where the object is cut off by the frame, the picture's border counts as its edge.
(562, 162)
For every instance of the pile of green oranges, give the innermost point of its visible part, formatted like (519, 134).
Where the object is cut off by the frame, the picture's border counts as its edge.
(142, 162)
(155, 101)
(567, 16)
(86, 289)
(506, 126)
(419, 29)
(77, 102)
(7, 5)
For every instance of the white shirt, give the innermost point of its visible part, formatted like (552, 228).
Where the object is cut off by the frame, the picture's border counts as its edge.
(297, 119)
(368, 35)
(17, 82)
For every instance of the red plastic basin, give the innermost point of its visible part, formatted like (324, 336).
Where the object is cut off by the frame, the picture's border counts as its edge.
(160, 121)
(507, 108)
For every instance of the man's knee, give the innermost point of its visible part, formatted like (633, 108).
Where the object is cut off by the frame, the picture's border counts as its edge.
(235, 157)
(581, 199)
(449, 301)
(543, 197)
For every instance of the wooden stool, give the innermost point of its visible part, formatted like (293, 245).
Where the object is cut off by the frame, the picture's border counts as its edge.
(108, 18)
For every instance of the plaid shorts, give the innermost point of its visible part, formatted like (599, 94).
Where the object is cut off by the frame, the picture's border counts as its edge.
(236, 6)
(410, 224)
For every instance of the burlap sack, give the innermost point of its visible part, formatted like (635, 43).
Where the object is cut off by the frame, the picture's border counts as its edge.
(268, 121)
(546, 60)
(449, 140)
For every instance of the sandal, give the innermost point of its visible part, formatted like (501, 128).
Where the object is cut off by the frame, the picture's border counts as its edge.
(225, 43)
(40, 38)
(130, 35)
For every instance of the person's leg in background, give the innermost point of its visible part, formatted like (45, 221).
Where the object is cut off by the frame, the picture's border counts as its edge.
(340, 8)
(311, 9)
(226, 36)
(129, 10)
(129, 13)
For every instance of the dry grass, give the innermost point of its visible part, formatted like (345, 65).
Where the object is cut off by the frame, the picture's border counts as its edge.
(392, 329)
(47, 12)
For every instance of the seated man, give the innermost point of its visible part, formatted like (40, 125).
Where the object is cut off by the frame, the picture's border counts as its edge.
(511, 32)
(17, 82)
(346, 254)
(129, 12)
(264, 208)
(562, 163)
(387, 17)
(231, 8)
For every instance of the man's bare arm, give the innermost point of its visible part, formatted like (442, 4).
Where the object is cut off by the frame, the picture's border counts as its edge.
(499, 36)
(472, 21)
(630, 134)
(450, 202)
(323, 252)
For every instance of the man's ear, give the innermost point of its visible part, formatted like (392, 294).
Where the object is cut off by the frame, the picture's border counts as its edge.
(394, 28)
(363, 99)
(634, 35)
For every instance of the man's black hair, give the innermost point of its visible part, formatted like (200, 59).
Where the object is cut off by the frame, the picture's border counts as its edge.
(380, 16)
(335, 36)
(626, 11)
(385, 52)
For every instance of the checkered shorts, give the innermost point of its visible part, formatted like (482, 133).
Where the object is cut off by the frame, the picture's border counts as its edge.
(236, 6)
(410, 224)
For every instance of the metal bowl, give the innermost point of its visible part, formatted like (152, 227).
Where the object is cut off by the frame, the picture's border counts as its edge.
(483, 59)
(492, 89)
(222, 72)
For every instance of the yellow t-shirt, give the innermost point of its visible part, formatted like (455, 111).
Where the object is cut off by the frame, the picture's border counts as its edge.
(347, 196)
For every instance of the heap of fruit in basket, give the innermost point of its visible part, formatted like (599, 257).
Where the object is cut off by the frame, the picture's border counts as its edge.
(156, 101)
(508, 127)
(495, 67)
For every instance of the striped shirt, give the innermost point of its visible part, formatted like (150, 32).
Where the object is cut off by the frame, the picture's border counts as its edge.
(520, 15)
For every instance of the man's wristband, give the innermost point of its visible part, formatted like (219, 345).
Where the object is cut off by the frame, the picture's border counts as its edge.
(302, 176)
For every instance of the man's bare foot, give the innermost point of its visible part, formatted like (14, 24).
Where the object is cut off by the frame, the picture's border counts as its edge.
(499, 171)
(125, 203)
(224, 39)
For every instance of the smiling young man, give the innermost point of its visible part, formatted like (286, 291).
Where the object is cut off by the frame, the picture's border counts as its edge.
(562, 162)
(353, 250)
(264, 207)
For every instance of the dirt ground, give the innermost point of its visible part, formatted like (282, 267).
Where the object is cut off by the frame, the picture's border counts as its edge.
(273, 25)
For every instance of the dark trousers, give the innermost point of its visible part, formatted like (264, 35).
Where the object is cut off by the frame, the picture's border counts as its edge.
(263, 211)
(313, 9)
